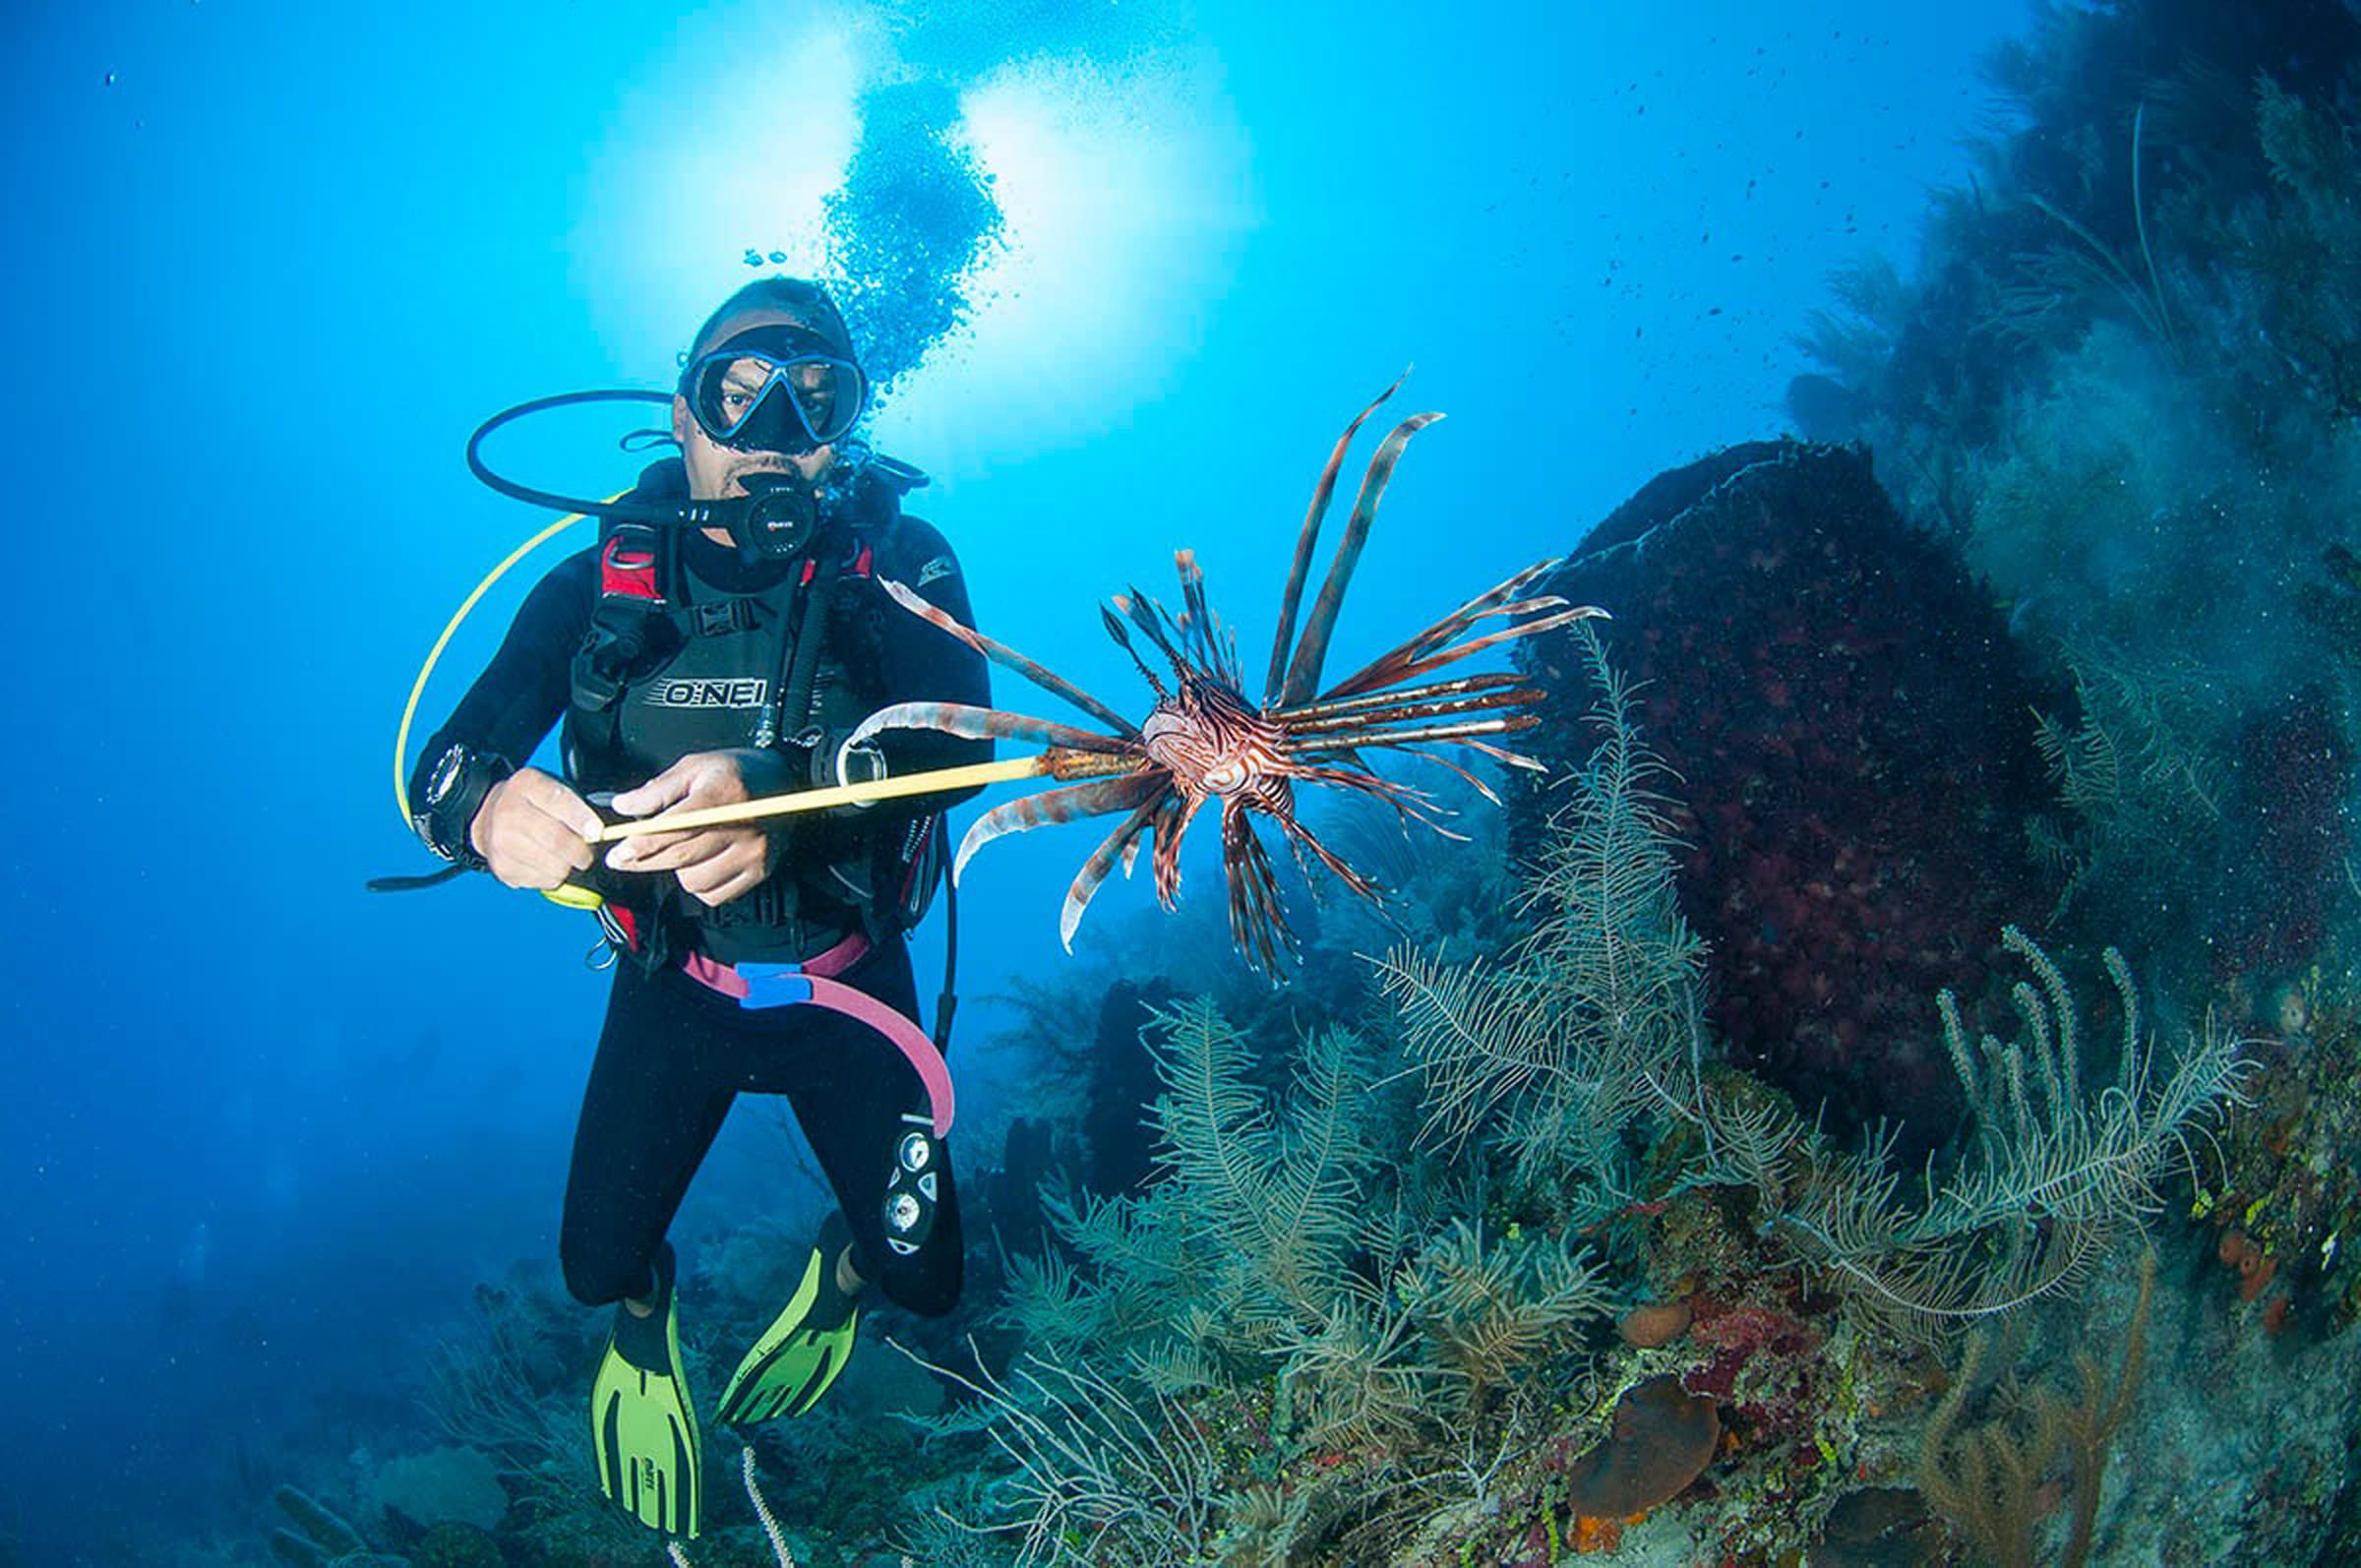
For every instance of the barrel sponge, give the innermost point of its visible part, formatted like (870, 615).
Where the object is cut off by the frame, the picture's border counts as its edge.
(1844, 716)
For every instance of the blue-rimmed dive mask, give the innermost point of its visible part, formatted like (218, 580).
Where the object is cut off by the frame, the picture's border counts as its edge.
(777, 388)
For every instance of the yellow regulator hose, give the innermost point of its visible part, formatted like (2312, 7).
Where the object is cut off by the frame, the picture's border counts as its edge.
(409, 709)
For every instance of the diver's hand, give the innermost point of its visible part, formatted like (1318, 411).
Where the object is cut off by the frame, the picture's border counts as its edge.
(714, 864)
(532, 830)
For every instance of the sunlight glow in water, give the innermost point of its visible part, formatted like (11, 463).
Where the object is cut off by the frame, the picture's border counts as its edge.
(743, 126)
(1122, 184)
(1125, 198)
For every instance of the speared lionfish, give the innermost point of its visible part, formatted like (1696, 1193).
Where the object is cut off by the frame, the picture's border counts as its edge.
(1204, 741)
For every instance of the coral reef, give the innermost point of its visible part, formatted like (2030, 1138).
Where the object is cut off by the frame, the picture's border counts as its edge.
(451, 1483)
(2284, 837)
(1306, 1336)
(2124, 375)
(773, 1537)
(1879, 1527)
(456, 1545)
(509, 1385)
(1994, 1480)
(2284, 1194)
(2059, 1160)
(1250, 1350)
(2138, 793)
(319, 1539)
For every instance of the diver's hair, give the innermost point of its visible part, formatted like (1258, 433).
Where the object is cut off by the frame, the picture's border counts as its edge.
(800, 297)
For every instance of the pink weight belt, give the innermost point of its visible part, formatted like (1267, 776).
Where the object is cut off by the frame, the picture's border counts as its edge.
(813, 982)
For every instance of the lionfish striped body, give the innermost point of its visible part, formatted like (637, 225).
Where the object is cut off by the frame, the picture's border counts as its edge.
(1204, 741)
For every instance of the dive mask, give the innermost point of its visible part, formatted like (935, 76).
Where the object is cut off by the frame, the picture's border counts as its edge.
(776, 388)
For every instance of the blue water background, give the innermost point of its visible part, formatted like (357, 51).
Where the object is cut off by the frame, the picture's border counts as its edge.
(260, 1132)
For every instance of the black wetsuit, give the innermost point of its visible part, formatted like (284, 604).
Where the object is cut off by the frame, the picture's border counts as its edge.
(673, 1053)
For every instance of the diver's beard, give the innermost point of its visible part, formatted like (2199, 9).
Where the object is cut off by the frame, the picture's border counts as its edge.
(734, 483)
(725, 468)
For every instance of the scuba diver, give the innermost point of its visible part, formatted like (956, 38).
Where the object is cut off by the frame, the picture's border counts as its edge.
(700, 661)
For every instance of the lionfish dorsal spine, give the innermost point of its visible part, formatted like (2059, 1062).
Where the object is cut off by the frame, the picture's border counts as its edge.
(1308, 539)
(1303, 674)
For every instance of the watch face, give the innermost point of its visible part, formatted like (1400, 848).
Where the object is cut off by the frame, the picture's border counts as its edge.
(447, 773)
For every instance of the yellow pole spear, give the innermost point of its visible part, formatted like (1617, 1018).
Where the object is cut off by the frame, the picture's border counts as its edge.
(883, 789)
(1056, 763)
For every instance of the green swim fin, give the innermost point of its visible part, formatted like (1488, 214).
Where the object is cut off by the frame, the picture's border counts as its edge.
(642, 1425)
(806, 1346)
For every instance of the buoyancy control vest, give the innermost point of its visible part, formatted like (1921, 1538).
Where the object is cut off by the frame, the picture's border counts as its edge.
(679, 661)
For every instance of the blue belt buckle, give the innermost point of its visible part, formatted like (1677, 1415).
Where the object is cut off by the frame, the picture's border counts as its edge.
(785, 984)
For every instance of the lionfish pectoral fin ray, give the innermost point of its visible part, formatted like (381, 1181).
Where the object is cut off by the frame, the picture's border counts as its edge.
(1342, 724)
(1409, 802)
(1308, 539)
(1474, 782)
(1007, 657)
(1429, 817)
(1432, 821)
(1124, 842)
(1344, 873)
(1067, 804)
(1257, 929)
(1178, 811)
(1304, 673)
(1457, 734)
(972, 723)
(1500, 599)
(1501, 754)
(1377, 677)
(1434, 691)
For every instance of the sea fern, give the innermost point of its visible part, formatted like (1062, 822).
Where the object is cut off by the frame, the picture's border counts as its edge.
(1492, 1308)
(1358, 1372)
(1271, 1189)
(1042, 1299)
(1253, 1254)
(1593, 1016)
(1588, 1037)
(1249, 1282)
(2136, 778)
(1100, 1473)
(2056, 1168)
